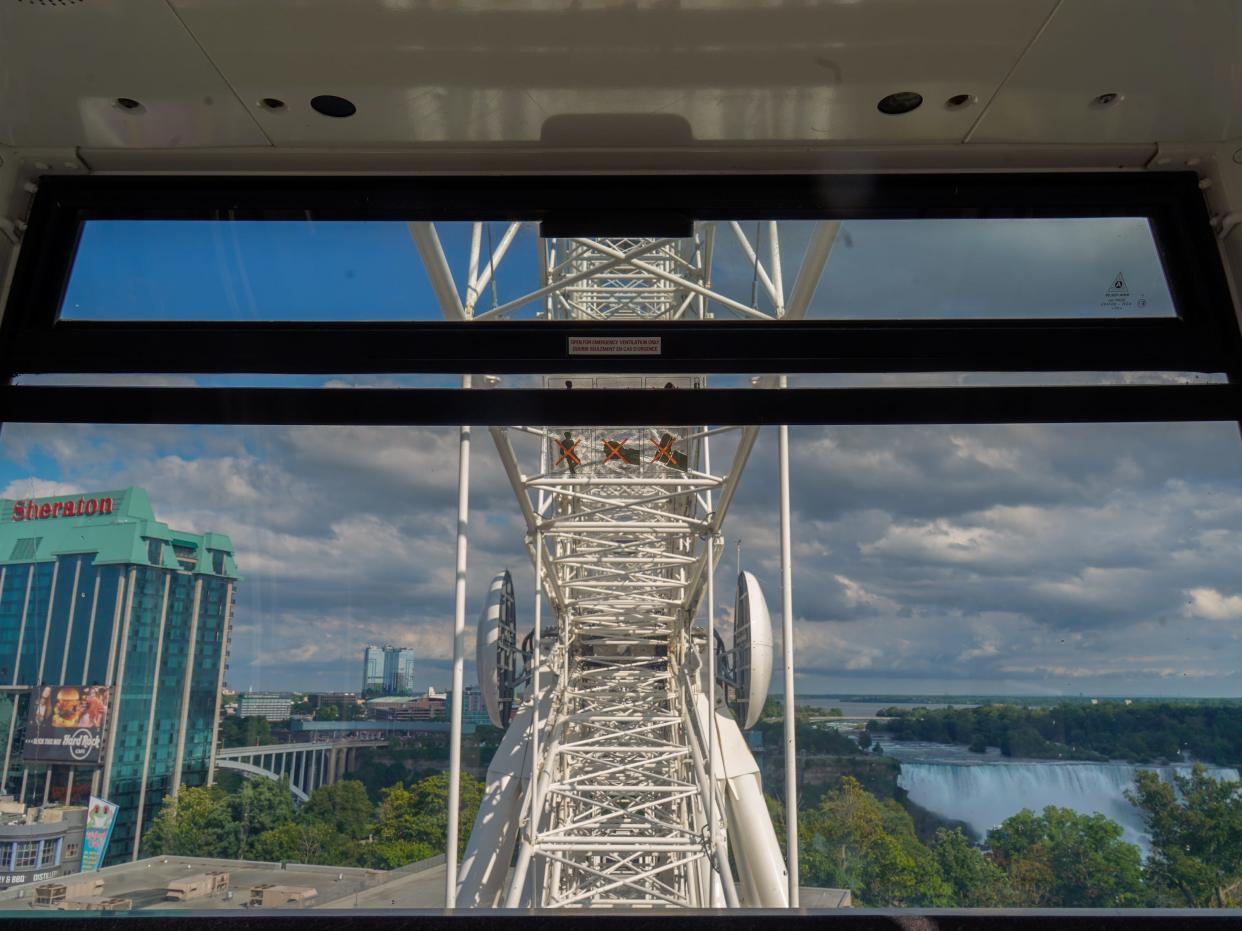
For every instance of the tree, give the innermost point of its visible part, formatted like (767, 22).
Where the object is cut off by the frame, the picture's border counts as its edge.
(854, 841)
(245, 732)
(1196, 837)
(1063, 859)
(303, 842)
(343, 808)
(195, 822)
(328, 713)
(258, 807)
(412, 823)
(976, 881)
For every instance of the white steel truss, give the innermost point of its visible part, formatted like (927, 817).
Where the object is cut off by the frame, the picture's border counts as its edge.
(623, 526)
(620, 815)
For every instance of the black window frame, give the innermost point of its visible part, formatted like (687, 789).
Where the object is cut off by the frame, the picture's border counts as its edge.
(1203, 337)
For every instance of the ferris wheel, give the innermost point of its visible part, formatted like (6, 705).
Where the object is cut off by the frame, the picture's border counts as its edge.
(623, 778)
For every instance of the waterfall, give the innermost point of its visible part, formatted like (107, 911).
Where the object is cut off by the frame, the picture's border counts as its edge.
(984, 794)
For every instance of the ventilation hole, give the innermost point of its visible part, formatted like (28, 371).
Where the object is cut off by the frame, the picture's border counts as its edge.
(959, 101)
(330, 105)
(1106, 100)
(272, 103)
(129, 103)
(900, 102)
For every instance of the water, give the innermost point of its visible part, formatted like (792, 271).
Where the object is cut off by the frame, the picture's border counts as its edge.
(869, 709)
(983, 790)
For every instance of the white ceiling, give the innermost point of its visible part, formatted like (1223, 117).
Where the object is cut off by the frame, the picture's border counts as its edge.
(479, 72)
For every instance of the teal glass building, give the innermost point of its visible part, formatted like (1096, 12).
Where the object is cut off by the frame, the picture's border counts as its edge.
(95, 591)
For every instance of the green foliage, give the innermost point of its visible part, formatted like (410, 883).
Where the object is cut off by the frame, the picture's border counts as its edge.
(412, 820)
(854, 841)
(303, 842)
(811, 738)
(1141, 732)
(328, 713)
(1062, 859)
(338, 826)
(343, 808)
(976, 881)
(1196, 832)
(245, 732)
(1058, 858)
(194, 823)
(260, 806)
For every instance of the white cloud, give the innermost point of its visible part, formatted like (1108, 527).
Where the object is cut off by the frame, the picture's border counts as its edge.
(1211, 604)
(38, 488)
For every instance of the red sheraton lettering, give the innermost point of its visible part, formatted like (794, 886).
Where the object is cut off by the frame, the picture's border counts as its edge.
(83, 507)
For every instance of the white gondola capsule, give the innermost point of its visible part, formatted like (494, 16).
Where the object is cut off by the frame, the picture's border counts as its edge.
(752, 649)
(496, 649)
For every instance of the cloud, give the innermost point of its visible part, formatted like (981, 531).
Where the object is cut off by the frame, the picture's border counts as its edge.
(38, 488)
(1029, 559)
(1210, 604)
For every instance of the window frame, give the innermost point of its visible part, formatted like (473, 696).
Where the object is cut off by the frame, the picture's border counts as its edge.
(1203, 337)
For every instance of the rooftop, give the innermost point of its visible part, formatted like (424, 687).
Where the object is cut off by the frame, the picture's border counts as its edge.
(419, 885)
(114, 525)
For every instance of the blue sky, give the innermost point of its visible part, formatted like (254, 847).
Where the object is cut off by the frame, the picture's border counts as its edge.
(1048, 560)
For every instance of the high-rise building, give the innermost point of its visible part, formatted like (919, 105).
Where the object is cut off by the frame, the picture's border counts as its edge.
(387, 670)
(372, 670)
(398, 670)
(114, 633)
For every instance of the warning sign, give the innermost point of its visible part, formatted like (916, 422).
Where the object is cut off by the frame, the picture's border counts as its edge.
(614, 345)
(1117, 297)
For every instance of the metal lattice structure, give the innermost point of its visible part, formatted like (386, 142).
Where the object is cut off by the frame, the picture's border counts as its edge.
(621, 801)
(620, 816)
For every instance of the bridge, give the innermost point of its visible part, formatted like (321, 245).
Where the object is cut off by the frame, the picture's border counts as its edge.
(307, 765)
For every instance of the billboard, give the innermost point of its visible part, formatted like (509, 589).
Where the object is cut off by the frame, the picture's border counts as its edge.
(100, 818)
(66, 724)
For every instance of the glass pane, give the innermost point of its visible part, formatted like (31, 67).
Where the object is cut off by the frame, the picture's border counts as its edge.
(986, 620)
(1004, 619)
(857, 270)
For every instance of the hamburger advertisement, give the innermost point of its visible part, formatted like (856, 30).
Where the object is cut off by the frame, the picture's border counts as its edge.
(66, 724)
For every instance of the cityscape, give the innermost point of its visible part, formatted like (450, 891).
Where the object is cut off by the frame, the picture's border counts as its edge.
(117, 632)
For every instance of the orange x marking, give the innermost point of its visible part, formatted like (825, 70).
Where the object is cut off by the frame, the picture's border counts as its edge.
(664, 451)
(567, 452)
(614, 449)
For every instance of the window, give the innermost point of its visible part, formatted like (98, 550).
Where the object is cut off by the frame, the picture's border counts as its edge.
(72, 849)
(1007, 412)
(6, 855)
(27, 854)
(50, 853)
(335, 270)
(185, 553)
(25, 548)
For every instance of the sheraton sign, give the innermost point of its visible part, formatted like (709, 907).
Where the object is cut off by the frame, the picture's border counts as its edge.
(43, 510)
